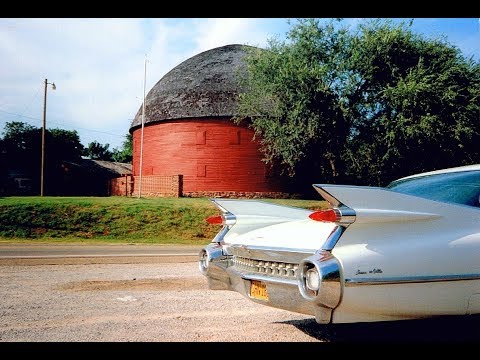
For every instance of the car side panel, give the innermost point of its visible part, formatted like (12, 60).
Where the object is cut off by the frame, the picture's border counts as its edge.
(411, 269)
(405, 301)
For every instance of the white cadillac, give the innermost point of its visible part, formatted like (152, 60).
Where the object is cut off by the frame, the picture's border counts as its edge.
(409, 250)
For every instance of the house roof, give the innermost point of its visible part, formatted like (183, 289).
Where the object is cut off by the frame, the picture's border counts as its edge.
(116, 167)
(101, 167)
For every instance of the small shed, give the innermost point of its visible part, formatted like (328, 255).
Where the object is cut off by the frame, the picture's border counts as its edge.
(88, 177)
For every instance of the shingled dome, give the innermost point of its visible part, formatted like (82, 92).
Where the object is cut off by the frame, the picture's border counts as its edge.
(205, 85)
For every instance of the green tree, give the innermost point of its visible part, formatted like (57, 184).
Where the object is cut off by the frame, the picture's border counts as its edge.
(415, 107)
(97, 151)
(20, 151)
(64, 144)
(334, 105)
(125, 153)
(18, 135)
(293, 100)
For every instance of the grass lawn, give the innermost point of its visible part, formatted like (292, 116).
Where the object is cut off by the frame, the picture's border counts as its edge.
(118, 220)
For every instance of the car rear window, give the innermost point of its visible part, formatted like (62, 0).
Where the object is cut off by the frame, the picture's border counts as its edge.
(456, 187)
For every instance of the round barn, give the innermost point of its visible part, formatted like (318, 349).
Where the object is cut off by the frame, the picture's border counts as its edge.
(191, 146)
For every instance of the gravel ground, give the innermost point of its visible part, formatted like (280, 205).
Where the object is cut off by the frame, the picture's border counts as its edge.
(130, 302)
(170, 302)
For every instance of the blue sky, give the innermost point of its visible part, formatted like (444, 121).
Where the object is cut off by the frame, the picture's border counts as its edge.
(97, 64)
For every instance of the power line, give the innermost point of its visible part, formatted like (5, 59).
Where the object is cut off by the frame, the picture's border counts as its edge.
(31, 102)
(24, 116)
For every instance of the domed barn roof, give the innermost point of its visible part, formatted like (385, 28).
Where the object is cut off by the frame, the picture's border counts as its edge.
(205, 85)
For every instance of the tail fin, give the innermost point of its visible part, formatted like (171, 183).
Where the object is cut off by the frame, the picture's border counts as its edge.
(375, 204)
(241, 216)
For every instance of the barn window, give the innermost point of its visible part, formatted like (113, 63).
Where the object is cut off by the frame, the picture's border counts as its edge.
(201, 170)
(235, 137)
(201, 137)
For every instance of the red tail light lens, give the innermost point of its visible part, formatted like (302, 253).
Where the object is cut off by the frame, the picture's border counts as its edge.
(324, 215)
(215, 220)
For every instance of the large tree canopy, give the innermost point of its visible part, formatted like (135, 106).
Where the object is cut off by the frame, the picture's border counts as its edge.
(21, 145)
(331, 104)
(97, 151)
(20, 151)
(125, 153)
(293, 99)
(416, 106)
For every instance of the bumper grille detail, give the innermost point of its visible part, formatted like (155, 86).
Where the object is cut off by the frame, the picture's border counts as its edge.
(272, 268)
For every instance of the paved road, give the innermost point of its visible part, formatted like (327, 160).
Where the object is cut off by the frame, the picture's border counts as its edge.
(51, 254)
(80, 250)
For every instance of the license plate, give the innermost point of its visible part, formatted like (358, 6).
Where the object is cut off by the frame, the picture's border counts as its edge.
(258, 290)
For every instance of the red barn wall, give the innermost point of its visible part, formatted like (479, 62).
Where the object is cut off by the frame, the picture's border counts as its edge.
(213, 155)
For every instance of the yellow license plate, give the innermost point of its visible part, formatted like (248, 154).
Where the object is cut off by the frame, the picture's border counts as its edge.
(258, 290)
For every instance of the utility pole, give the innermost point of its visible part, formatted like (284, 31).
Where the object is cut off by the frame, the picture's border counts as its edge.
(143, 126)
(42, 173)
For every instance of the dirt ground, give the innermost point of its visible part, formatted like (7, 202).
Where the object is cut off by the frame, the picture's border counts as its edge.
(160, 300)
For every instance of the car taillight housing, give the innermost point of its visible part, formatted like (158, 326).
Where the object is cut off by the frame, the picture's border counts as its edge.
(225, 219)
(325, 215)
(215, 220)
(342, 215)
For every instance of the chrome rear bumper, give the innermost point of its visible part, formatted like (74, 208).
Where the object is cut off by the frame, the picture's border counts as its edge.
(283, 271)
